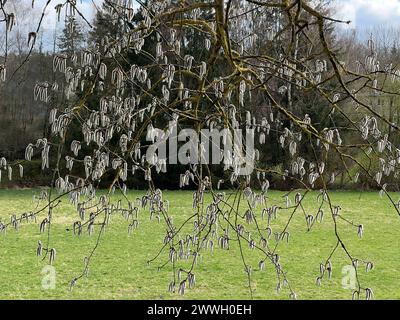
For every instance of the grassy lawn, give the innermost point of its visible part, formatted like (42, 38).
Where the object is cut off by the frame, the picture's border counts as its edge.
(119, 269)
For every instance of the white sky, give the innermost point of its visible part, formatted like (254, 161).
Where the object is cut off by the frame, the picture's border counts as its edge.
(87, 7)
(368, 13)
(362, 13)
(50, 22)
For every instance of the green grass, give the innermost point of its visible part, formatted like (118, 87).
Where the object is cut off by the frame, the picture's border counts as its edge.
(119, 269)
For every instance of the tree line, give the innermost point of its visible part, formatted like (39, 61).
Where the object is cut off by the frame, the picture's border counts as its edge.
(25, 119)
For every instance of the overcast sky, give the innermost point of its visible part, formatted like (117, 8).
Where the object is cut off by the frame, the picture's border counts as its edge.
(368, 13)
(362, 13)
(87, 7)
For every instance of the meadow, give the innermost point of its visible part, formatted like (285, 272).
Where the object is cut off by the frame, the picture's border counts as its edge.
(119, 268)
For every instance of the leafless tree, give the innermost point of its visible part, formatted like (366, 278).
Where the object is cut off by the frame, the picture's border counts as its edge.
(273, 51)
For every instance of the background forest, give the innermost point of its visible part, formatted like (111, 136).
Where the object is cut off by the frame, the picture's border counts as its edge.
(23, 119)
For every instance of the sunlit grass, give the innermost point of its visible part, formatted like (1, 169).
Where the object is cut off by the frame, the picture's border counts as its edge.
(119, 268)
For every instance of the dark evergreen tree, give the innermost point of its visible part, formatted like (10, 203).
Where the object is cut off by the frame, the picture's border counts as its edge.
(72, 37)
